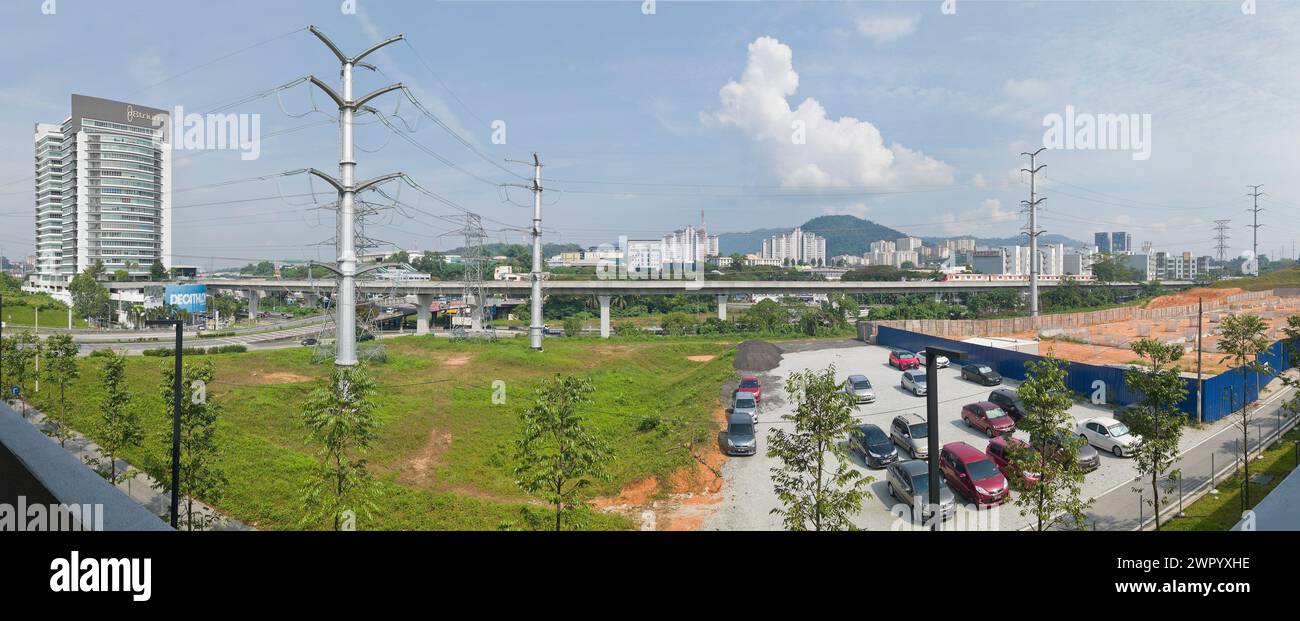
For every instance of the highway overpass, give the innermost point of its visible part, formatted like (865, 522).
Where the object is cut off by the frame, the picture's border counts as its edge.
(604, 290)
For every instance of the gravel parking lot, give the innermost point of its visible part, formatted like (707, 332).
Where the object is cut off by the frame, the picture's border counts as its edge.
(748, 496)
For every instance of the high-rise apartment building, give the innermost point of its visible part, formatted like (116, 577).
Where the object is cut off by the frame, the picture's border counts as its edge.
(1102, 241)
(103, 190)
(796, 247)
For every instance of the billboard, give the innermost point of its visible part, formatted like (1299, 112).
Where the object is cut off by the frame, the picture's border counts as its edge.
(190, 298)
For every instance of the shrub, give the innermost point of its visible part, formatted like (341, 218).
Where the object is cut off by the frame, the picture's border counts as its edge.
(572, 326)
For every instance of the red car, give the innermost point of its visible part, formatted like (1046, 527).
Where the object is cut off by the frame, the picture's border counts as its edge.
(997, 450)
(987, 417)
(749, 383)
(904, 360)
(972, 474)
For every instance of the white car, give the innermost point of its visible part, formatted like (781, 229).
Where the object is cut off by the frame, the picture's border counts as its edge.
(1108, 434)
(940, 361)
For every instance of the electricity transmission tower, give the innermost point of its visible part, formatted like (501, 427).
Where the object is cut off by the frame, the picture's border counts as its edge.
(1255, 209)
(348, 188)
(1032, 231)
(1221, 239)
(472, 258)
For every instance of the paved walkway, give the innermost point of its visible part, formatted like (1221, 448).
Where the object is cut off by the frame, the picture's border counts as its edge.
(1206, 462)
(141, 488)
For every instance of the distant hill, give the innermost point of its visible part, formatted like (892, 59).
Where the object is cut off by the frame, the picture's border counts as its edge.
(844, 235)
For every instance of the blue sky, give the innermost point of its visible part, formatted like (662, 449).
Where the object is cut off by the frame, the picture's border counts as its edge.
(913, 118)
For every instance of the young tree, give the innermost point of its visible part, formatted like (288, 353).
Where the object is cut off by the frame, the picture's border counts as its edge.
(555, 456)
(814, 493)
(1055, 499)
(1242, 338)
(61, 367)
(120, 425)
(200, 479)
(21, 360)
(1156, 419)
(340, 415)
(157, 271)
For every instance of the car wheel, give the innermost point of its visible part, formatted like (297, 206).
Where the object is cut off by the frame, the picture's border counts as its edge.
(991, 433)
(1117, 450)
(891, 491)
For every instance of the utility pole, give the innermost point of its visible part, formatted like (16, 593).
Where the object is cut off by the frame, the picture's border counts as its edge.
(1254, 238)
(1221, 239)
(346, 327)
(1031, 206)
(535, 300)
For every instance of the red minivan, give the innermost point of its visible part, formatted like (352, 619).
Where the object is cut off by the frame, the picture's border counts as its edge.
(972, 474)
(997, 450)
(988, 418)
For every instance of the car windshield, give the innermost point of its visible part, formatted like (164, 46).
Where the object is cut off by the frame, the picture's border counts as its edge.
(983, 369)
(745, 402)
(994, 413)
(921, 430)
(917, 377)
(981, 470)
(921, 483)
(874, 435)
(749, 383)
(861, 384)
(740, 429)
(903, 354)
(1118, 429)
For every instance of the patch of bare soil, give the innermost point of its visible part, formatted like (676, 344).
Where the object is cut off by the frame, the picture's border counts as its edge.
(279, 377)
(691, 492)
(419, 469)
(457, 361)
(703, 358)
(1190, 297)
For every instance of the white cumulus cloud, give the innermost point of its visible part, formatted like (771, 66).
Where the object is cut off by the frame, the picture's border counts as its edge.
(833, 152)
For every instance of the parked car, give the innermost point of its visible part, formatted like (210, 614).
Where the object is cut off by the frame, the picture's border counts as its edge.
(860, 387)
(1009, 401)
(745, 404)
(909, 482)
(1087, 457)
(749, 384)
(910, 431)
(998, 451)
(940, 362)
(873, 445)
(972, 474)
(914, 381)
(1108, 434)
(987, 418)
(981, 374)
(309, 341)
(903, 359)
(739, 437)
(1122, 412)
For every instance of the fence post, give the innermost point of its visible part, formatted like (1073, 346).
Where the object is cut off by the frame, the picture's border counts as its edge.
(1214, 487)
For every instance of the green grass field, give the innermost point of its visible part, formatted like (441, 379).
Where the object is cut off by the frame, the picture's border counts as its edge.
(26, 316)
(1222, 512)
(443, 452)
(1288, 277)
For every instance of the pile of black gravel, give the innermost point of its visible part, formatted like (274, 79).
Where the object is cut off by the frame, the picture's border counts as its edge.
(757, 356)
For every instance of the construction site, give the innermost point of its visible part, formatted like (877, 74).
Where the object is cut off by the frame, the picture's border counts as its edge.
(1103, 337)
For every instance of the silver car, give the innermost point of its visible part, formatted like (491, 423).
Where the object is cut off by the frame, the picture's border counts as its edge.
(860, 387)
(910, 432)
(745, 404)
(908, 481)
(914, 381)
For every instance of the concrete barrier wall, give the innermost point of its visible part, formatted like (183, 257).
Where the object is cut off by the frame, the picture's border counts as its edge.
(963, 328)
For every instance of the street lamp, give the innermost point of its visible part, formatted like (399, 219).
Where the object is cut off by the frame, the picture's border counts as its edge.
(932, 421)
(176, 411)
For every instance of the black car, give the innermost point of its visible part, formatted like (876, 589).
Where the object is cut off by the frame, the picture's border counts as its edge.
(875, 447)
(1087, 457)
(1009, 401)
(981, 374)
(309, 341)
